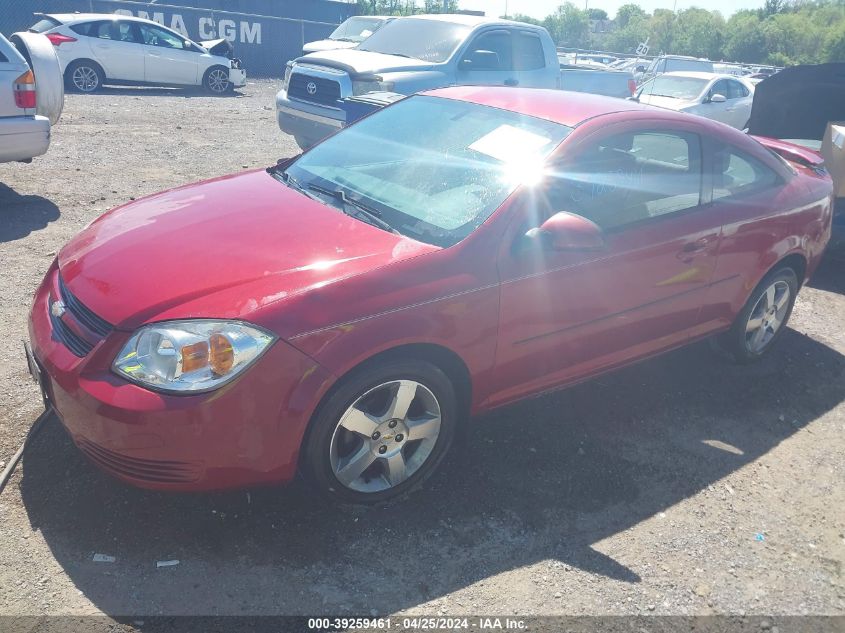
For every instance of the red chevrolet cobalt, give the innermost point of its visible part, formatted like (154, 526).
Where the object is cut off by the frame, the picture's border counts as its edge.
(342, 313)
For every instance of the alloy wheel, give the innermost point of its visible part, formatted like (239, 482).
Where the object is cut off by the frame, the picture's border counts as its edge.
(218, 81)
(767, 317)
(385, 436)
(85, 79)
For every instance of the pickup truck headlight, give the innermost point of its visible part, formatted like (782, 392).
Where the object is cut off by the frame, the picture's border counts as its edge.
(288, 70)
(364, 86)
(190, 356)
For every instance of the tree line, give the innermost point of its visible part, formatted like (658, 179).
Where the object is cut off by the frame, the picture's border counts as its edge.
(780, 33)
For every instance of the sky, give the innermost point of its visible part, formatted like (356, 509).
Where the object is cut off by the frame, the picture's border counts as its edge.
(541, 8)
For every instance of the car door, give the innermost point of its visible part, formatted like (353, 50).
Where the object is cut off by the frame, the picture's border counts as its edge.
(116, 46)
(170, 58)
(739, 104)
(568, 314)
(529, 60)
(488, 60)
(713, 109)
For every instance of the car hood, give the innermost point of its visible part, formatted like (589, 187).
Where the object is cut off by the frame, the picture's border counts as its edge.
(798, 102)
(327, 45)
(666, 102)
(355, 61)
(220, 47)
(224, 248)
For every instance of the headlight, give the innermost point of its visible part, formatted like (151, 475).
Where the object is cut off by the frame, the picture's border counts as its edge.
(363, 87)
(190, 356)
(286, 81)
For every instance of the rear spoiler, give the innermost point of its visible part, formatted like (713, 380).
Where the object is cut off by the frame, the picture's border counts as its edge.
(792, 152)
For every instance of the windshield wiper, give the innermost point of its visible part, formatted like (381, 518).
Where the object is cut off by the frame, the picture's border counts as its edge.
(362, 211)
(285, 178)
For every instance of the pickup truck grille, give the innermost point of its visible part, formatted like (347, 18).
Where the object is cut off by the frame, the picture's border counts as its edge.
(326, 91)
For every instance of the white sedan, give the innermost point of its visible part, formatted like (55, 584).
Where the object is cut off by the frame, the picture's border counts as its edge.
(100, 48)
(722, 98)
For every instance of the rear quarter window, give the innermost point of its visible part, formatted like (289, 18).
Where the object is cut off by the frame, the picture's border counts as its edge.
(83, 28)
(44, 24)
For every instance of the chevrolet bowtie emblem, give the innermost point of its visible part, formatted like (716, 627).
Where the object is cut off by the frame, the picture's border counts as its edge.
(57, 308)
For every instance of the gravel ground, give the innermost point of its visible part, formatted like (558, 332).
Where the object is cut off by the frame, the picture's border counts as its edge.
(680, 486)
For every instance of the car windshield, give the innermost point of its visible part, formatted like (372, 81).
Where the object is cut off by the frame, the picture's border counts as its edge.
(685, 88)
(356, 29)
(434, 169)
(429, 40)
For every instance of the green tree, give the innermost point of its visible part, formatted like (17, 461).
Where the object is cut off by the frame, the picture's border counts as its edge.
(568, 25)
(628, 12)
(519, 17)
(834, 44)
(596, 14)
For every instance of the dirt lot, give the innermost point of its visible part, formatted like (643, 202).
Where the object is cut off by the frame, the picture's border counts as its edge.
(680, 486)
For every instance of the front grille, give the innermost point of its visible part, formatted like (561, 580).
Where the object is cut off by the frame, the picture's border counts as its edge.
(149, 470)
(326, 92)
(82, 314)
(75, 343)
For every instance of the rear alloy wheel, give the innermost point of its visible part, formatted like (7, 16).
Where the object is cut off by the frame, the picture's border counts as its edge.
(382, 433)
(84, 77)
(763, 319)
(216, 80)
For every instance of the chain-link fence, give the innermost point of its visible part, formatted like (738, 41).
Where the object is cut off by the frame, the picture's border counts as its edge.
(265, 33)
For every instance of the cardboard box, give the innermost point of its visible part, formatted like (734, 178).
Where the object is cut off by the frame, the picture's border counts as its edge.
(833, 150)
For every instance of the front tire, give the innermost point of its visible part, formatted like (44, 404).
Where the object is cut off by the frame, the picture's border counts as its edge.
(382, 433)
(763, 319)
(216, 80)
(84, 76)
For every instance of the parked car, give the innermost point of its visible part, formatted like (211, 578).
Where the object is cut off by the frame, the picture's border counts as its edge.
(95, 49)
(674, 63)
(379, 289)
(719, 97)
(350, 33)
(31, 97)
(608, 82)
(409, 55)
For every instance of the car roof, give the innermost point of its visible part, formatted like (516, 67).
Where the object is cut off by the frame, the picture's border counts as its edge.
(68, 18)
(559, 106)
(460, 18)
(699, 75)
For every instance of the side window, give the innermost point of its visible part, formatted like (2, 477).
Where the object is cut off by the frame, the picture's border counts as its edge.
(736, 90)
(490, 51)
(528, 52)
(101, 30)
(124, 32)
(720, 88)
(630, 177)
(736, 174)
(83, 28)
(155, 36)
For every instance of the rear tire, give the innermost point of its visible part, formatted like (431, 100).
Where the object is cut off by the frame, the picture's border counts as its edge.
(381, 434)
(216, 80)
(763, 319)
(84, 76)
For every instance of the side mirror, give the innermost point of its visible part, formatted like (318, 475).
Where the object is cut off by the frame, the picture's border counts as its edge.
(566, 231)
(640, 69)
(717, 98)
(481, 60)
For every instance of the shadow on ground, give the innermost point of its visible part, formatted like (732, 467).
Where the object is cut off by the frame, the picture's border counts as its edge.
(158, 91)
(830, 274)
(20, 215)
(544, 479)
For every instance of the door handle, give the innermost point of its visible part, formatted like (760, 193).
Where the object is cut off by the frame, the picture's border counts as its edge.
(511, 82)
(689, 249)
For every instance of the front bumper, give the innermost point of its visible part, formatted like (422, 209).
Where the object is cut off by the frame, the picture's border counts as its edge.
(237, 77)
(309, 123)
(246, 433)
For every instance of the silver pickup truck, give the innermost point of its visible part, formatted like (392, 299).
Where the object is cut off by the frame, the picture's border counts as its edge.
(410, 55)
(31, 96)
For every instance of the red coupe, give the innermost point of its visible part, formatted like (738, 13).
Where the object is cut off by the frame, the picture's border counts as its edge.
(342, 313)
